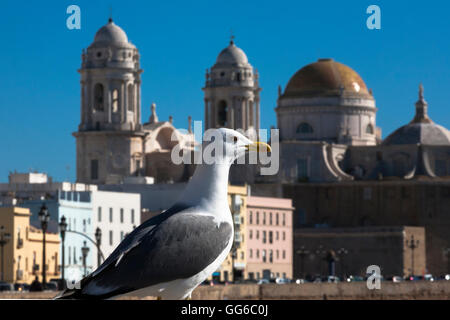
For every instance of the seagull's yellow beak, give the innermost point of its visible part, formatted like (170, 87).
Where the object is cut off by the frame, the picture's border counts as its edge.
(258, 146)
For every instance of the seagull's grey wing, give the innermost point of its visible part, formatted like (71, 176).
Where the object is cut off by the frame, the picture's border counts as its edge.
(177, 248)
(130, 241)
(135, 237)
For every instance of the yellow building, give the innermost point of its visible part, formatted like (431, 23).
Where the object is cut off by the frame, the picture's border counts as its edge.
(237, 199)
(23, 252)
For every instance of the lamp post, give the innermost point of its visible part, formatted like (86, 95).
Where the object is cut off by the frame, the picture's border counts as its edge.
(84, 252)
(98, 242)
(44, 217)
(62, 230)
(4, 239)
(412, 244)
(302, 252)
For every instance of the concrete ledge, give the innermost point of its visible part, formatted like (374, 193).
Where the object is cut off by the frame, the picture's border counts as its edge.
(309, 291)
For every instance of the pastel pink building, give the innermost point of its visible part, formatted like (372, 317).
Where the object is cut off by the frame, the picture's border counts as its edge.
(268, 238)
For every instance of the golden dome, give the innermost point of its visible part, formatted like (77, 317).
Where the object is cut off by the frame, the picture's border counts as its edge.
(326, 77)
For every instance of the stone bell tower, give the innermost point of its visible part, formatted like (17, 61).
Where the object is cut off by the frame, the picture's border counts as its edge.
(231, 92)
(110, 137)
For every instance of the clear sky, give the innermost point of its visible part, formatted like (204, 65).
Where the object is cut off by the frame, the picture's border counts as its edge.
(178, 40)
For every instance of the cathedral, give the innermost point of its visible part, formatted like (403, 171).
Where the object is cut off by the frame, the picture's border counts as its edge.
(334, 163)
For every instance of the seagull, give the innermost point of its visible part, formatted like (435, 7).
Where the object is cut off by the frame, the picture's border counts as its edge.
(169, 255)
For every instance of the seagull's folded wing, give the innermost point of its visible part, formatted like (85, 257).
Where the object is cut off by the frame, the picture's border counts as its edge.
(174, 246)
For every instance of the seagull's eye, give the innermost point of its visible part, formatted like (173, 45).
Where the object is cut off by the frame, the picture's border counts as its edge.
(235, 139)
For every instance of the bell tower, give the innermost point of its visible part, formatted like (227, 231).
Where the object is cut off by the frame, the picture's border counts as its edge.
(231, 92)
(109, 136)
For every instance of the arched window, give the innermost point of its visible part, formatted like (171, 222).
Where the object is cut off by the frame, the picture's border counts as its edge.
(222, 113)
(369, 129)
(304, 128)
(115, 100)
(98, 97)
(131, 97)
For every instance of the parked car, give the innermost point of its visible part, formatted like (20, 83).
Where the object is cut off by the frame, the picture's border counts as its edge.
(428, 277)
(397, 279)
(300, 281)
(282, 280)
(4, 286)
(354, 279)
(263, 281)
(333, 279)
(444, 277)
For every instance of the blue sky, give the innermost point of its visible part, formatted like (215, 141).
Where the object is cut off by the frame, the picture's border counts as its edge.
(178, 40)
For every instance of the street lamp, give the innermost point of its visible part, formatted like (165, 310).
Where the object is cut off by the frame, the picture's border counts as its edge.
(302, 252)
(62, 230)
(44, 217)
(84, 252)
(4, 239)
(98, 239)
(412, 244)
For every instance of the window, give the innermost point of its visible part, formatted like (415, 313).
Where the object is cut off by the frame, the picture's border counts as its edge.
(278, 254)
(99, 215)
(257, 253)
(94, 169)
(251, 253)
(98, 97)
(132, 215)
(250, 234)
(264, 258)
(257, 217)
(115, 100)
(369, 129)
(304, 128)
(264, 236)
(284, 219)
(121, 215)
(222, 113)
(284, 235)
(74, 255)
(278, 235)
(271, 256)
(121, 235)
(264, 217)
(251, 217)
(130, 97)
(84, 225)
(257, 234)
(277, 219)
(242, 255)
(284, 254)
(270, 218)
(110, 237)
(110, 214)
(270, 237)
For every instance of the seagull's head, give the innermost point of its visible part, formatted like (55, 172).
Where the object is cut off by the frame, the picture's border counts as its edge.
(233, 144)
